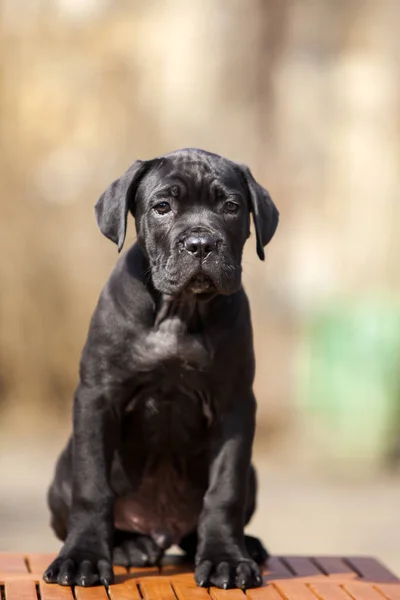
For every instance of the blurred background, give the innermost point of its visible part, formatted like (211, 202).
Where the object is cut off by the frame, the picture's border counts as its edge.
(307, 93)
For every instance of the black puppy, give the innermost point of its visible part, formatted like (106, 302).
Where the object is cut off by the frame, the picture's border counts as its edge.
(164, 413)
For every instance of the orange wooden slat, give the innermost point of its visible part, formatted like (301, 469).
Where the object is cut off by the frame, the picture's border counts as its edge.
(20, 590)
(294, 590)
(328, 590)
(140, 572)
(294, 578)
(90, 593)
(12, 563)
(362, 591)
(176, 570)
(157, 589)
(51, 591)
(302, 566)
(264, 593)
(186, 589)
(127, 590)
(276, 569)
(5, 577)
(119, 570)
(391, 591)
(184, 578)
(334, 566)
(172, 565)
(371, 569)
(233, 594)
(38, 563)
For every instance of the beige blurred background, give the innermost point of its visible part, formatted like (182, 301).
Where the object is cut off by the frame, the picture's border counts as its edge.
(307, 94)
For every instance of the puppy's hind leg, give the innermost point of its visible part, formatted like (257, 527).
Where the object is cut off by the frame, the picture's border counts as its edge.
(189, 545)
(256, 550)
(253, 545)
(135, 550)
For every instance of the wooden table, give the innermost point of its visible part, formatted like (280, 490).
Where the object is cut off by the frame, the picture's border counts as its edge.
(285, 578)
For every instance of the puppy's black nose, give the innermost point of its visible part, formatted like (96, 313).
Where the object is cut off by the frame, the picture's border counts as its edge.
(200, 245)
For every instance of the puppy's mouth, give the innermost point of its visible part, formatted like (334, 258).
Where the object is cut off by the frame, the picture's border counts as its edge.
(201, 284)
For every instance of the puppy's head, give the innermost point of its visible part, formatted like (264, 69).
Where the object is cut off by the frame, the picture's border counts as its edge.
(192, 213)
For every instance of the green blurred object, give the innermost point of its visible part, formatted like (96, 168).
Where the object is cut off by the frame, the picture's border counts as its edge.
(351, 383)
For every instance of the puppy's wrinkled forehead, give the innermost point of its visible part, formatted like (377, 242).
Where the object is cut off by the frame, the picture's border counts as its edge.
(196, 176)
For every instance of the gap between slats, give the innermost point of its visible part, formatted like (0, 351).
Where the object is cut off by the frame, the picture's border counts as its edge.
(333, 566)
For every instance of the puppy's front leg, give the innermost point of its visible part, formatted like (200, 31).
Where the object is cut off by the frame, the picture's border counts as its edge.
(222, 559)
(85, 558)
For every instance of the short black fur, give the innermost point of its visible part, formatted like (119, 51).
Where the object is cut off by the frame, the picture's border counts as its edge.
(164, 412)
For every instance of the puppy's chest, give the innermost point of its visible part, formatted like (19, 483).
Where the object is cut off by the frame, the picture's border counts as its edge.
(176, 390)
(174, 349)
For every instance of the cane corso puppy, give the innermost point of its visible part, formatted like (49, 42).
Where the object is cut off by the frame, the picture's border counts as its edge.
(164, 412)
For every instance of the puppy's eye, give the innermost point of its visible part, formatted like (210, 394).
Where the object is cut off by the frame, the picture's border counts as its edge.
(162, 208)
(231, 207)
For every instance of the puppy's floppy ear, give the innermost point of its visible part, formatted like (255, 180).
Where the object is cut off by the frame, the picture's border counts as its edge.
(265, 213)
(113, 206)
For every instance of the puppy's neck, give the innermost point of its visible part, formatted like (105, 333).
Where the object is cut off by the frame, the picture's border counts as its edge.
(182, 309)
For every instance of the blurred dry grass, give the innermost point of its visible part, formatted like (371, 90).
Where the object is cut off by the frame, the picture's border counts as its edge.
(306, 93)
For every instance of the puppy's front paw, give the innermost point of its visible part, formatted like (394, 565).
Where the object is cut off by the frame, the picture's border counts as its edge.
(226, 573)
(80, 567)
